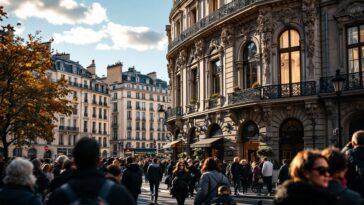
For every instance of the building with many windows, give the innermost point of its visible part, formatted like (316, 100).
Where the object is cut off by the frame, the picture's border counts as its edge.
(247, 73)
(90, 117)
(135, 98)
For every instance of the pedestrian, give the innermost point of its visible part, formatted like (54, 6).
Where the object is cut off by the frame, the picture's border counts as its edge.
(114, 173)
(180, 183)
(235, 171)
(244, 175)
(48, 171)
(42, 182)
(170, 169)
(224, 197)
(132, 178)
(193, 175)
(210, 181)
(58, 165)
(257, 178)
(267, 173)
(283, 173)
(154, 176)
(310, 177)
(355, 173)
(88, 184)
(19, 183)
(145, 168)
(64, 176)
(337, 185)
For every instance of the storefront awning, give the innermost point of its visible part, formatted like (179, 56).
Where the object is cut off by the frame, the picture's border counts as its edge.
(205, 142)
(171, 144)
(144, 151)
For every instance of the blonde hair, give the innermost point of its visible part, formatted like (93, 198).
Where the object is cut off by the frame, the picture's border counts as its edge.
(176, 169)
(20, 172)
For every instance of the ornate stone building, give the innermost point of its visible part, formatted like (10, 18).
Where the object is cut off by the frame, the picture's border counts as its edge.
(251, 72)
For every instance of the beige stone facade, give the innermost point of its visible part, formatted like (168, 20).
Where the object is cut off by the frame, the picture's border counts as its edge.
(136, 129)
(91, 114)
(247, 73)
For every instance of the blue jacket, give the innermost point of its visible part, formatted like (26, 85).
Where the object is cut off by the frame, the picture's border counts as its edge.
(12, 194)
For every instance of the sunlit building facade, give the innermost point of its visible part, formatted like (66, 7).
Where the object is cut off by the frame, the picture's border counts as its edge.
(247, 73)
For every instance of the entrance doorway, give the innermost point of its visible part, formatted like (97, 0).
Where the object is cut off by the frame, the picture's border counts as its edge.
(217, 148)
(249, 141)
(356, 124)
(291, 139)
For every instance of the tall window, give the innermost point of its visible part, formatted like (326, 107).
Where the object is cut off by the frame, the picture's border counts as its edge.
(289, 52)
(213, 5)
(216, 70)
(250, 66)
(193, 85)
(355, 41)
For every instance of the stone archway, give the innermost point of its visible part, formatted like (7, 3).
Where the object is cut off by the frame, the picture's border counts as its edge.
(291, 141)
(248, 140)
(216, 148)
(104, 154)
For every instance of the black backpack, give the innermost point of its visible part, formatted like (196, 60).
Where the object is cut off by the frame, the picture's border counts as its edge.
(179, 184)
(88, 200)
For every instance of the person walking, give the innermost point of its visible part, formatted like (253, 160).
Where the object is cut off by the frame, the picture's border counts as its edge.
(267, 173)
(338, 167)
(235, 171)
(210, 181)
(355, 173)
(180, 183)
(88, 185)
(244, 176)
(154, 176)
(283, 173)
(257, 176)
(193, 175)
(19, 185)
(310, 177)
(132, 178)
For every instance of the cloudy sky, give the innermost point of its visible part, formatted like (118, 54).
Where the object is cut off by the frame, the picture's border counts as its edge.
(130, 31)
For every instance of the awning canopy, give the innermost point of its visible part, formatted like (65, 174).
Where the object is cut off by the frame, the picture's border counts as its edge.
(205, 142)
(171, 144)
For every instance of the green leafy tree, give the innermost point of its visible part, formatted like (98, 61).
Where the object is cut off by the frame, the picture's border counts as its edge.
(28, 99)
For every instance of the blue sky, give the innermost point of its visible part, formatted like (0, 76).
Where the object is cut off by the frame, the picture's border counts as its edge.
(130, 31)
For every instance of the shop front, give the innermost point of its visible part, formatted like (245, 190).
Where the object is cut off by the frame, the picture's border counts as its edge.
(143, 153)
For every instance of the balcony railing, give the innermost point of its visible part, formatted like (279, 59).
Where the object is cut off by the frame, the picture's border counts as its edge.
(205, 22)
(307, 88)
(353, 81)
(69, 128)
(173, 112)
(214, 102)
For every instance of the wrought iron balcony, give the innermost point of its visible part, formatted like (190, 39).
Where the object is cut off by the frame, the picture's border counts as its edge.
(191, 108)
(174, 112)
(307, 88)
(214, 102)
(205, 22)
(353, 81)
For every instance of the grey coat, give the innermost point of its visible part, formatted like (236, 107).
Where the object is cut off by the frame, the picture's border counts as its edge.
(208, 186)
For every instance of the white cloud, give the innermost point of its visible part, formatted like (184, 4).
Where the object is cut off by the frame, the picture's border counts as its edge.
(120, 36)
(58, 11)
(138, 38)
(79, 36)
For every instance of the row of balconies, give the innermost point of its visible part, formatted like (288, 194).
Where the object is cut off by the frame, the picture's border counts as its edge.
(85, 86)
(354, 81)
(76, 129)
(94, 116)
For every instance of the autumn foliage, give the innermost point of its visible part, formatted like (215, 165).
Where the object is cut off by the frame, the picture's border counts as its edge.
(28, 99)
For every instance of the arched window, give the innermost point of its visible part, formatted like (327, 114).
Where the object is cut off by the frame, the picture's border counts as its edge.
(250, 66)
(289, 54)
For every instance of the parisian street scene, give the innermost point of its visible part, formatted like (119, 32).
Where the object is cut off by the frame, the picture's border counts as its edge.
(187, 102)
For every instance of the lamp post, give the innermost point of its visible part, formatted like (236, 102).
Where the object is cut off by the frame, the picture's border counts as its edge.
(338, 83)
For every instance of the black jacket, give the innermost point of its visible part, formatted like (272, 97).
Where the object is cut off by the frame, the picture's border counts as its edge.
(177, 179)
(154, 173)
(132, 179)
(19, 195)
(283, 174)
(89, 183)
(345, 196)
(235, 170)
(301, 193)
(355, 160)
(60, 180)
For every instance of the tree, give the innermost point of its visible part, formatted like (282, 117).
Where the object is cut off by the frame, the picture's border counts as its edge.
(265, 151)
(28, 99)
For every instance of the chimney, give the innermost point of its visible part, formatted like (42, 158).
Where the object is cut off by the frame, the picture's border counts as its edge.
(152, 75)
(92, 68)
(114, 73)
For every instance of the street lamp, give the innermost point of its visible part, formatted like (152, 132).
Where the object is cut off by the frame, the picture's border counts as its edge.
(161, 112)
(338, 83)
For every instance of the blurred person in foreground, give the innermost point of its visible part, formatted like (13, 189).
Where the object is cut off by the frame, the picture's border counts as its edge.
(224, 197)
(310, 175)
(337, 184)
(88, 184)
(19, 184)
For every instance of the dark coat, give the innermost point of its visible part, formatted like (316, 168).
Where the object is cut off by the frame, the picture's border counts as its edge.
(176, 191)
(154, 173)
(355, 159)
(89, 183)
(345, 196)
(60, 180)
(283, 174)
(235, 170)
(301, 193)
(19, 195)
(132, 179)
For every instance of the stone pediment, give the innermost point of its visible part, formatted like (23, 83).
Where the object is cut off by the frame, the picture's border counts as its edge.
(350, 9)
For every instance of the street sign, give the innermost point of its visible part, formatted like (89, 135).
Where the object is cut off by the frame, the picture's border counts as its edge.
(46, 148)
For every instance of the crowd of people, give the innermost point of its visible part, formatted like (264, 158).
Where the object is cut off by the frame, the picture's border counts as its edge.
(328, 176)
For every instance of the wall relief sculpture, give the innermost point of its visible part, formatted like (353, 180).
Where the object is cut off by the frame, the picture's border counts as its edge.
(227, 36)
(199, 49)
(265, 30)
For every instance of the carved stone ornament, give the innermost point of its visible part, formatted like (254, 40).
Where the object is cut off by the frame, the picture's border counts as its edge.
(227, 35)
(214, 44)
(170, 68)
(265, 29)
(199, 49)
(181, 60)
(356, 10)
(288, 15)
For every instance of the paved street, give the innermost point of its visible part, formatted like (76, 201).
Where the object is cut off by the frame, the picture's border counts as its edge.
(165, 198)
